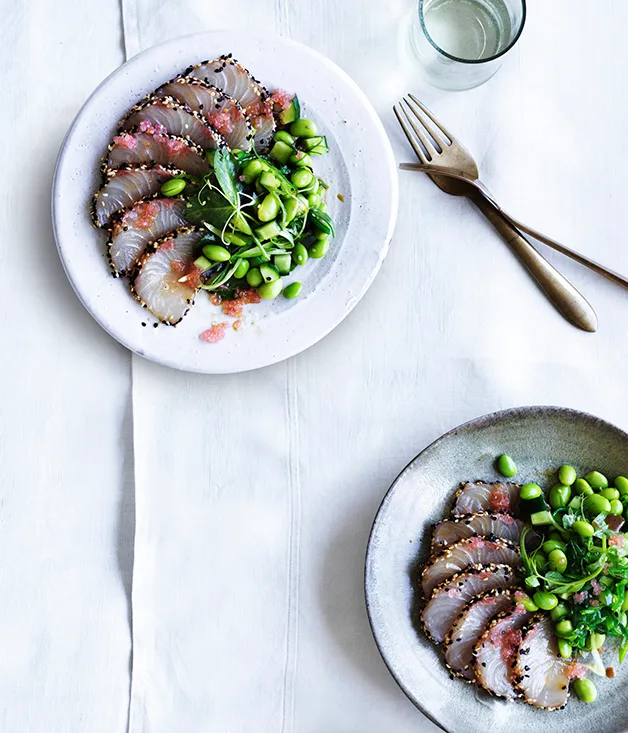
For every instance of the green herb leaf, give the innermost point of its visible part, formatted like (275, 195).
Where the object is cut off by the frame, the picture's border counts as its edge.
(322, 221)
(209, 206)
(225, 171)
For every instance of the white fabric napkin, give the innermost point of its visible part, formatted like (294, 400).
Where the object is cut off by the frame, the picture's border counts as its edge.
(66, 469)
(256, 492)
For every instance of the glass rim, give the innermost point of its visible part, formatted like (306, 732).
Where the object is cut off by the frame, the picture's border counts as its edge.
(486, 60)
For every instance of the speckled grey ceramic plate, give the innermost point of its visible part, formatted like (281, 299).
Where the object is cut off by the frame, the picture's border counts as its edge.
(538, 438)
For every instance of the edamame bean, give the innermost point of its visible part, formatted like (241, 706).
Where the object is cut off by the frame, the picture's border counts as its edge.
(254, 277)
(302, 178)
(560, 611)
(564, 648)
(292, 291)
(313, 200)
(525, 600)
(567, 475)
(610, 494)
(581, 487)
(530, 491)
(556, 537)
(252, 170)
(621, 484)
(623, 619)
(506, 466)
(595, 504)
(585, 690)
(319, 249)
(216, 253)
(545, 601)
(584, 529)
(595, 640)
(551, 545)
(559, 496)
(173, 187)
(269, 291)
(624, 605)
(269, 208)
(540, 558)
(597, 480)
(564, 627)
(303, 128)
(285, 137)
(241, 269)
(300, 254)
(617, 507)
(557, 561)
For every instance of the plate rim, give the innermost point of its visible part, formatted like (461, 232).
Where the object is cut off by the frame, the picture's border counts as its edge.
(350, 303)
(474, 422)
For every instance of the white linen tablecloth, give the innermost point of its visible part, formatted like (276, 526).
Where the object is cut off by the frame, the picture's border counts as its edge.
(254, 493)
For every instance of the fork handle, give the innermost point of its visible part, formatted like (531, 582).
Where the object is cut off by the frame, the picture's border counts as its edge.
(567, 300)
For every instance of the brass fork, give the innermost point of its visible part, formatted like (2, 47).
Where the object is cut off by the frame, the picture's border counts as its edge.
(435, 146)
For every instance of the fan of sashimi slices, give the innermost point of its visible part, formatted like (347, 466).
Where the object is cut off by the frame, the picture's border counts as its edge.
(167, 135)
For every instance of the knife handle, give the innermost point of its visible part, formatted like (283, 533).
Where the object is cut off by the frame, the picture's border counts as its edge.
(567, 300)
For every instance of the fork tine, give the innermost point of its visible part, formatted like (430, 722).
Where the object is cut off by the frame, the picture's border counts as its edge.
(429, 146)
(415, 145)
(439, 139)
(438, 124)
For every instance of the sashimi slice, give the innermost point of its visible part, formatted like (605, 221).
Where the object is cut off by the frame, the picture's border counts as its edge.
(220, 110)
(228, 75)
(140, 225)
(231, 77)
(484, 524)
(539, 671)
(469, 627)
(133, 148)
(461, 555)
(496, 651)
(166, 115)
(161, 283)
(126, 186)
(450, 598)
(481, 497)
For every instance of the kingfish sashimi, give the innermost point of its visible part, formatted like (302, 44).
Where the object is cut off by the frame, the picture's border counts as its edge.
(463, 554)
(483, 523)
(496, 651)
(126, 186)
(168, 115)
(450, 598)
(140, 225)
(220, 110)
(469, 627)
(133, 148)
(480, 497)
(232, 78)
(161, 283)
(540, 672)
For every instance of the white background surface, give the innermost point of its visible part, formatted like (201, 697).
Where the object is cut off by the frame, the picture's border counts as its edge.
(255, 493)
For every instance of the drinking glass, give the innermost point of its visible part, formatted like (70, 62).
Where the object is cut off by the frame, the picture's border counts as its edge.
(461, 43)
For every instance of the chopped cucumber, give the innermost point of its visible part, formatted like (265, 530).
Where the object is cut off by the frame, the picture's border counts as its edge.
(312, 142)
(237, 239)
(281, 152)
(203, 263)
(269, 180)
(319, 150)
(241, 224)
(287, 116)
(269, 273)
(282, 263)
(268, 231)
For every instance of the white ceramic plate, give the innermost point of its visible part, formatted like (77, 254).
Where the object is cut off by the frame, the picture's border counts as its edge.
(360, 167)
(538, 438)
